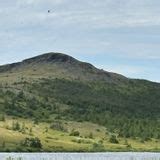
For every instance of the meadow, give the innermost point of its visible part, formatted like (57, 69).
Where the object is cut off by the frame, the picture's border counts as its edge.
(17, 135)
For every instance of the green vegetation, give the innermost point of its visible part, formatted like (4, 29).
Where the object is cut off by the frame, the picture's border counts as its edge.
(98, 147)
(58, 96)
(113, 139)
(74, 133)
(54, 140)
(116, 107)
(32, 142)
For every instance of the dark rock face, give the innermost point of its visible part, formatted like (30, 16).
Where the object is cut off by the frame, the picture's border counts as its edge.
(8, 67)
(52, 58)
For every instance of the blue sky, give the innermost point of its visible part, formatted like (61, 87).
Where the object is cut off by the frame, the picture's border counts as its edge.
(121, 36)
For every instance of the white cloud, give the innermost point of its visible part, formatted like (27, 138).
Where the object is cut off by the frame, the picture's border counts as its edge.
(40, 2)
(91, 13)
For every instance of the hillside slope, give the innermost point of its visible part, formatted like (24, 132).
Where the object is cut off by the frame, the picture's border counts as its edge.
(57, 65)
(56, 87)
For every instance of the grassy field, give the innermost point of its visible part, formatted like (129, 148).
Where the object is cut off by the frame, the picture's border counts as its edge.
(92, 138)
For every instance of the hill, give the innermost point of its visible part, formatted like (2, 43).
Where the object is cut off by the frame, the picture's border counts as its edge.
(57, 65)
(54, 90)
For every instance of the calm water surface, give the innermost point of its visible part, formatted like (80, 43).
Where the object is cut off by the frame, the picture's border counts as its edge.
(81, 156)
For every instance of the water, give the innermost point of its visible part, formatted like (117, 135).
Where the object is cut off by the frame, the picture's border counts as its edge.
(80, 156)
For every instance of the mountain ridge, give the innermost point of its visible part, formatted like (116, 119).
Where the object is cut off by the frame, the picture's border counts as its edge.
(56, 57)
(64, 63)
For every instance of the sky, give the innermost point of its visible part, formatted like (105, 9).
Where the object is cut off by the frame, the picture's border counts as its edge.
(121, 36)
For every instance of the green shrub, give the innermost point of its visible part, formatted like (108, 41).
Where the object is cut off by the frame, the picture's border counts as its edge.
(16, 126)
(32, 142)
(97, 147)
(57, 125)
(74, 133)
(113, 139)
(2, 117)
(91, 135)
